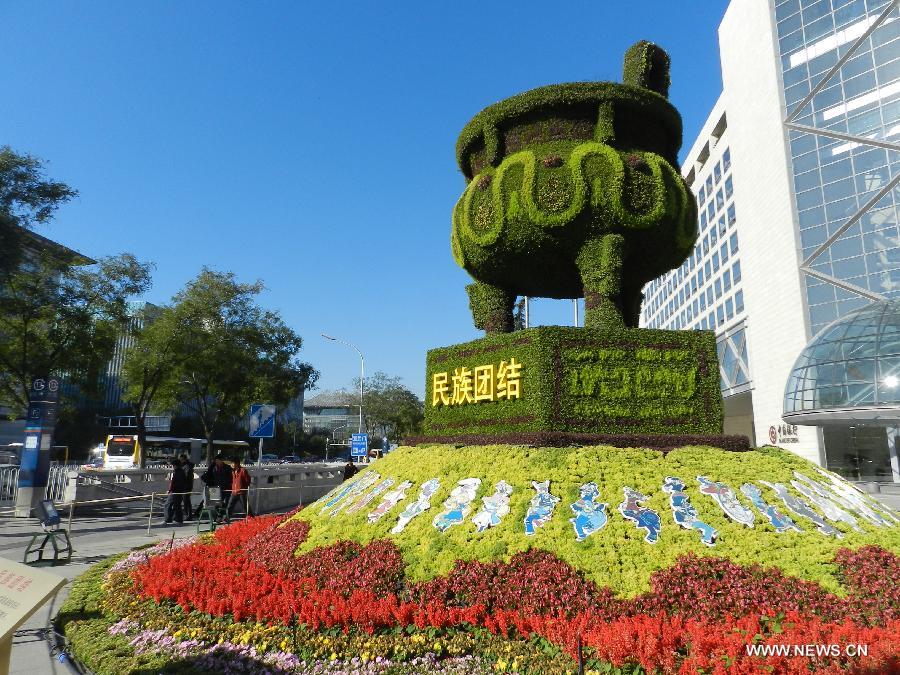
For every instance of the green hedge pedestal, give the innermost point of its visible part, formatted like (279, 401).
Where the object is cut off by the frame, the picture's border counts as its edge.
(558, 386)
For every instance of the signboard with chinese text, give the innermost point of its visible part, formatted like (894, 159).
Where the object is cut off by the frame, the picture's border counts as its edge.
(23, 590)
(574, 380)
(359, 445)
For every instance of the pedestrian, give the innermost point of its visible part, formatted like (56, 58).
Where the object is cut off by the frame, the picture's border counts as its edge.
(188, 466)
(350, 470)
(174, 501)
(218, 475)
(240, 490)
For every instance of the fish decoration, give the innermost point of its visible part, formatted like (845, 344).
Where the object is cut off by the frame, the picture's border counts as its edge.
(337, 494)
(494, 507)
(877, 514)
(541, 507)
(350, 490)
(831, 510)
(684, 513)
(369, 496)
(724, 496)
(590, 513)
(802, 509)
(389, 501)
(642, 517)
(422, 504)
(358, 488)
(825, 492)
(780, 521)
(458, 504)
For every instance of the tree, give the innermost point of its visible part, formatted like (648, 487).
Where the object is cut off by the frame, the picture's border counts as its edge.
(389, 408)
(148, 369)
(26, 199)
(56, 318)
(228, 352)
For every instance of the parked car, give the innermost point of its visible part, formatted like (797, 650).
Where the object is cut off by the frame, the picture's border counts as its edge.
(290, 459)
(270, 459)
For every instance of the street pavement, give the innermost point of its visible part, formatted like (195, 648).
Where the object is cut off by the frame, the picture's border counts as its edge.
(95, 535)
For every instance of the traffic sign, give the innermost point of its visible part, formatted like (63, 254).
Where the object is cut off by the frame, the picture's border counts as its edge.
(359, 445)
(262, 421)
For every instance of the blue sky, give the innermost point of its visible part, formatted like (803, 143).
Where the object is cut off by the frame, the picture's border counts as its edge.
(307, 144)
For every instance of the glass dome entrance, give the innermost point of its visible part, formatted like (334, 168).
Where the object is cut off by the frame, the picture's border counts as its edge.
(849, 371)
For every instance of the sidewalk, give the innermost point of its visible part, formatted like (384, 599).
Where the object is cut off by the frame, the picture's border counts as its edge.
(95, 535)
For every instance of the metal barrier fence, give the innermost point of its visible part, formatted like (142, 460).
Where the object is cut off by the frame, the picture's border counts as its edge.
(56, 482)
(154, 498)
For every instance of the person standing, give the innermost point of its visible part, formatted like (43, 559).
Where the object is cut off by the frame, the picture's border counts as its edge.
(174, 501)
(188, 466)
(240, 490)
(218, 475)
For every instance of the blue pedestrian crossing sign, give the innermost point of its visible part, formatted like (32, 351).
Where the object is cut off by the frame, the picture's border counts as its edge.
(359, 445)
(262, 421)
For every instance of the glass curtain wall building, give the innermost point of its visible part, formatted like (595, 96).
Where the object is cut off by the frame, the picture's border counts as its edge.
(809, 119)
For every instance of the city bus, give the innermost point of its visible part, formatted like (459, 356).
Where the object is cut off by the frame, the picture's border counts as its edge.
(123, 451)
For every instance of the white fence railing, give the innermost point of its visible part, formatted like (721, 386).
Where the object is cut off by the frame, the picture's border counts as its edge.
(56, 482)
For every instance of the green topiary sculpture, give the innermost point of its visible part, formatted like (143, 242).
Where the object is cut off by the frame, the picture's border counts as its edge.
(573, 191)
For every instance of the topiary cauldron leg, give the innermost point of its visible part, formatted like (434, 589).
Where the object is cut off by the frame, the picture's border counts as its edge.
(632, 299)
(492, 307)
(600, 265)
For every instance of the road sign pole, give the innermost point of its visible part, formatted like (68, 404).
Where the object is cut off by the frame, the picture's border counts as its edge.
(259, 458)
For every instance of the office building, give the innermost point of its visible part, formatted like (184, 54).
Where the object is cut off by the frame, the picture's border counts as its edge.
(795, 173)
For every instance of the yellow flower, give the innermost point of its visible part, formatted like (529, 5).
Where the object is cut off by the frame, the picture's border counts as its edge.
(437, 646)
(500, 665)
(284, 644)
(515, 666)
(333, 656)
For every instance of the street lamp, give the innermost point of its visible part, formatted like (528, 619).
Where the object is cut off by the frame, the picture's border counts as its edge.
(362, 373)
(333, 438)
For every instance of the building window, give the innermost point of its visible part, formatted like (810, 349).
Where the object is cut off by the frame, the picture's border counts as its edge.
(726, 280)
(724, 253)
(720, 314)
(717, 172)
(701, 196)
(718, 286)
(709, 185)
(707, 268)
(709, 296)
(731, 216)
(720, 199)
(713, 237)
(710, 211)
(722, 226)
(726, 160)
(736, 271)
(729, 309)
(715, 262)
(702, 302)
(729, 187)
(739, 302)
(734, 243)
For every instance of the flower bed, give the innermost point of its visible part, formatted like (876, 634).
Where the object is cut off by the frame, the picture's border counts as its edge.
(263, 596)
